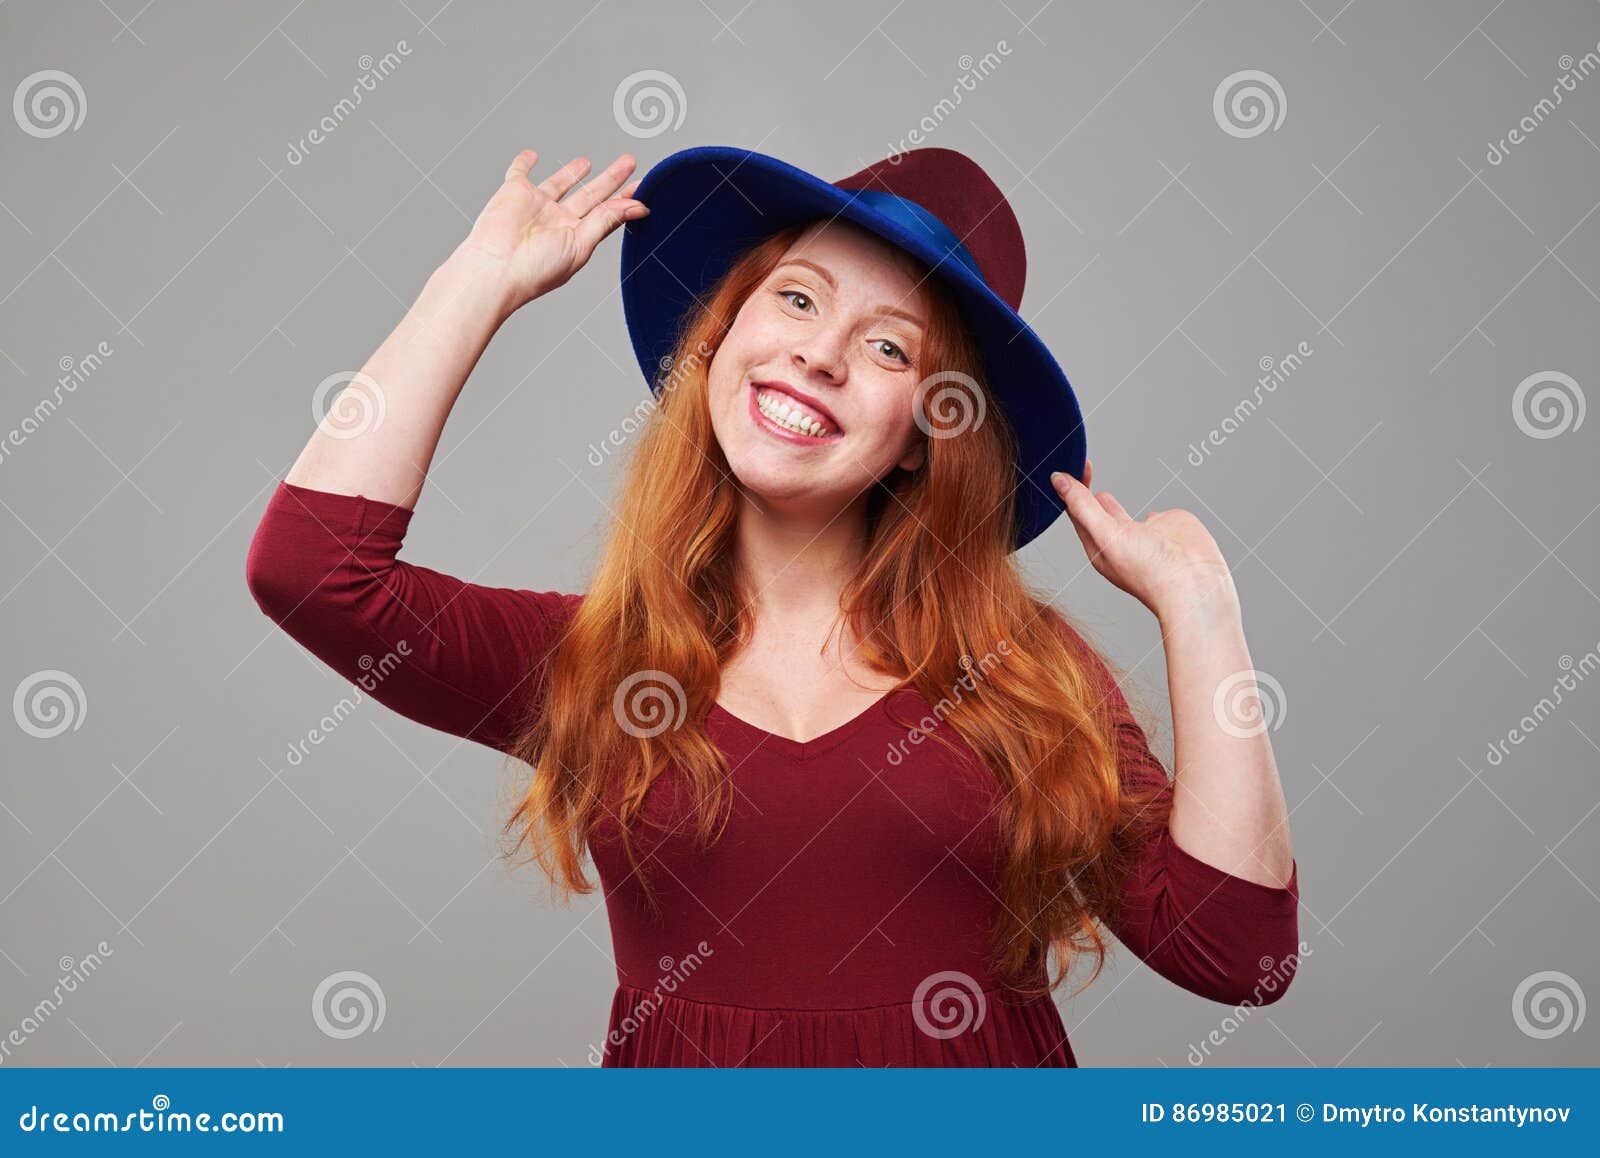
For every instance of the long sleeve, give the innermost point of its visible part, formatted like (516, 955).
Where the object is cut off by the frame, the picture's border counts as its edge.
(453, 655)
(1216, 935)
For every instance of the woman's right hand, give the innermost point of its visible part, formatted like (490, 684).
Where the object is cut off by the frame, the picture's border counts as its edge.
(534, 240)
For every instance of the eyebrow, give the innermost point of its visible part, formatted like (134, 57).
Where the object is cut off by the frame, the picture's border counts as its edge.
(834, 285)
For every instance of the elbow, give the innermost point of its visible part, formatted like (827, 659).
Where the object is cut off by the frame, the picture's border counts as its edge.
(1262, 980)
(273, 582)
(262, 580)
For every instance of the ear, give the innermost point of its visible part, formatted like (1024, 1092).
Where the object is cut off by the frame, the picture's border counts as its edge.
(916, 454)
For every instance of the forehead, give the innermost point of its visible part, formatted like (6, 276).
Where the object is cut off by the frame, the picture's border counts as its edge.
(861, 261)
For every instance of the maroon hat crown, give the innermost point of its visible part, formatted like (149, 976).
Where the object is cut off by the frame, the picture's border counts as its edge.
(955, 189)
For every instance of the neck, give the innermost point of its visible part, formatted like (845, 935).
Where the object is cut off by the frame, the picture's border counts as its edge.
(794, 565)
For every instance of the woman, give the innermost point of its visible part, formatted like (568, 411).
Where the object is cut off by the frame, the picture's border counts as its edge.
(851, 787)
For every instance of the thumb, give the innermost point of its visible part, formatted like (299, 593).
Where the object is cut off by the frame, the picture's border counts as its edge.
(605, 217)
(1083, 507)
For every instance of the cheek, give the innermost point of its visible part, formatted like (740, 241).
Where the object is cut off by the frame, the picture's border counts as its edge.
(895, 421)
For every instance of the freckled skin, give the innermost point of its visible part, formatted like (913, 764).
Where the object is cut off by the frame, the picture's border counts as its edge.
(832, 344)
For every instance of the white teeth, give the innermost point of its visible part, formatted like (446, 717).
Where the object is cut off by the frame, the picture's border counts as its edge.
(791, 417)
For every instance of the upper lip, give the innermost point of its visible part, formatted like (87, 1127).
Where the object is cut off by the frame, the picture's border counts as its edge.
(800, 396)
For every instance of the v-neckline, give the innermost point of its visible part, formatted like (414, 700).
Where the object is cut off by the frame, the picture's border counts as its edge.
(801, 749)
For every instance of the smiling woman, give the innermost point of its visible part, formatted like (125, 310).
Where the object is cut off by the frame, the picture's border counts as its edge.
(746, 791)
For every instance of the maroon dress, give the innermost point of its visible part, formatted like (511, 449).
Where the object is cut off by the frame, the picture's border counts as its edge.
(844, 914)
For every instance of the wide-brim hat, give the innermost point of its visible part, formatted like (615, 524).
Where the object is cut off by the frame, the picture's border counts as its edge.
(709, 204)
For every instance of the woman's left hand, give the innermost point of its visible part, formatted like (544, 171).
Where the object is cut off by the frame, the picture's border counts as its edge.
(1166, 560)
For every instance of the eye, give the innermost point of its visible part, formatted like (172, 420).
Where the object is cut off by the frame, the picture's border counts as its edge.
(801, 294)
(897, 351)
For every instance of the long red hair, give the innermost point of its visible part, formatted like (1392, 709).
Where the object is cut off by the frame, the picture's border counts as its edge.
(938, 585)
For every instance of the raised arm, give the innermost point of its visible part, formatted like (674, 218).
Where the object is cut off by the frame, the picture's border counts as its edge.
(453, 655)
(323, 562)
(379, 436)
(1216, 934)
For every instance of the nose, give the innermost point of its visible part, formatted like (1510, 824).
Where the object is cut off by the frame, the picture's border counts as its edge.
(823, 353)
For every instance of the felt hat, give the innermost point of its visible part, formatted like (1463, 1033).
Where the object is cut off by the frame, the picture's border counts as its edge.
(710, 203)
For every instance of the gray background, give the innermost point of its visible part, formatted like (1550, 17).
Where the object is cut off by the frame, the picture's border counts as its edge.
(1413, 564)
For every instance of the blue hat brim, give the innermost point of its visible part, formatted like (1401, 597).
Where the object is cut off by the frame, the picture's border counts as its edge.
(708, 204)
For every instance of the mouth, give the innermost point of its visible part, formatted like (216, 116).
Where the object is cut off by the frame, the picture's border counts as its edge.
(783, 415)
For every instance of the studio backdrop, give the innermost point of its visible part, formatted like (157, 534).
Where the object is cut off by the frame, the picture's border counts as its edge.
(1326, 276)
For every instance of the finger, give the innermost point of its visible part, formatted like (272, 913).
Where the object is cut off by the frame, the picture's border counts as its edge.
(1110, 503)
(1085, 512)
(601, 220)
(1090, 550)
(564, 178)
(604, 185)
(1088, 473)
(521, 163)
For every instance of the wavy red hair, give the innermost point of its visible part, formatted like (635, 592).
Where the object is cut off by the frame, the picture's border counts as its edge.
(938, 583)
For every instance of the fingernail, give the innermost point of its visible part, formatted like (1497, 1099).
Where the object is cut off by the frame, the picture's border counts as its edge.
(1058, 479)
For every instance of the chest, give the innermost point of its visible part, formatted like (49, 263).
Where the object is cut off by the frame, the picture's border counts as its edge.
(797, 696)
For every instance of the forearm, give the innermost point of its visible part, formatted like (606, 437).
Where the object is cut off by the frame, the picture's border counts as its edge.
(380, 439)
(1228, 809)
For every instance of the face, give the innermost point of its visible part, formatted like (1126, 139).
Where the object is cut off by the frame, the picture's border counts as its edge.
(812, 392)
